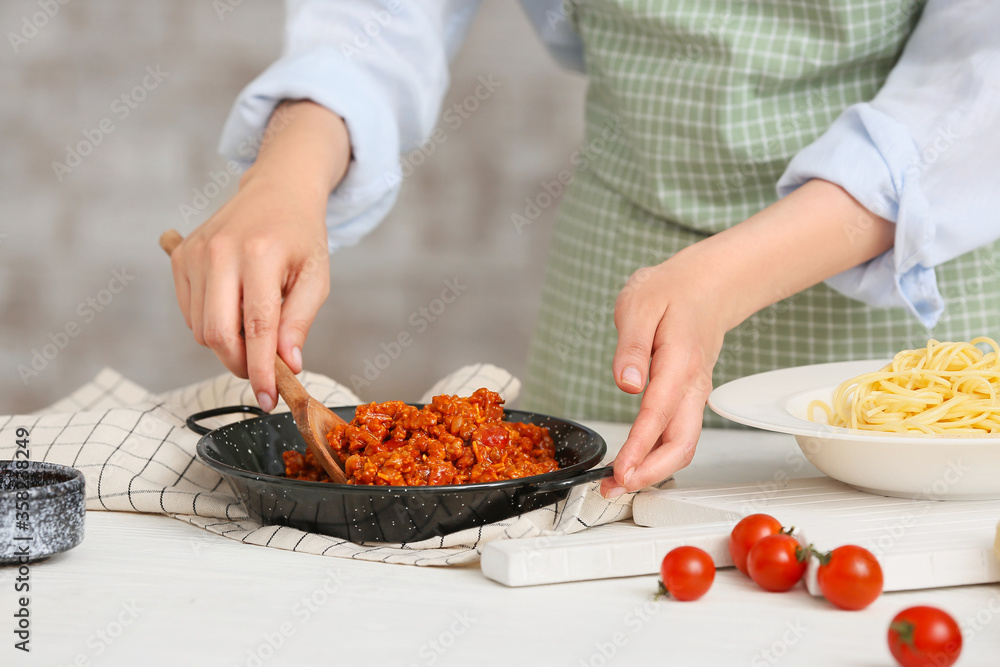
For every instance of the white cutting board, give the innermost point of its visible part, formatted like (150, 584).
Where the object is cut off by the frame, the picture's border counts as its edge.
(920, 544)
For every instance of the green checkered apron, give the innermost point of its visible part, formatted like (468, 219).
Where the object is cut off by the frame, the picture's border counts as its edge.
(694, 109)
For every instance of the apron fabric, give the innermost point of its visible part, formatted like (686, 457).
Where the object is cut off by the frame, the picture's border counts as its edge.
(694, 109)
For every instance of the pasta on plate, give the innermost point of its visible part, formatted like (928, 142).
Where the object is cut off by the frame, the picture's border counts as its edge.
(942, 389)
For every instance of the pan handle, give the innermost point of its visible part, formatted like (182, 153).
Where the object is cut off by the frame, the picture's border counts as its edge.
(192, 421)
(581, 478)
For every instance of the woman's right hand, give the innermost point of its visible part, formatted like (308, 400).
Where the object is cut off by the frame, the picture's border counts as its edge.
(672, 318)
(260, 264)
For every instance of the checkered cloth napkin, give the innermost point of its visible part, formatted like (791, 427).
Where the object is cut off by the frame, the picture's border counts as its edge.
(138, 456)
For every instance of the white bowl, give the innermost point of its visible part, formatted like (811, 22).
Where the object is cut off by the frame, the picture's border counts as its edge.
(919, 466)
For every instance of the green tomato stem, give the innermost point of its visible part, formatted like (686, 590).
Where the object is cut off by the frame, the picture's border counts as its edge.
(905, 630)
(823, 558)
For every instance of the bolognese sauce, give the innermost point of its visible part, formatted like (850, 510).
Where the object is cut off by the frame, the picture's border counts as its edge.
(452, 440)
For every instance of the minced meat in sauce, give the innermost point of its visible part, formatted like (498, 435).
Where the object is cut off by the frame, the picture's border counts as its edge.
(452, 440)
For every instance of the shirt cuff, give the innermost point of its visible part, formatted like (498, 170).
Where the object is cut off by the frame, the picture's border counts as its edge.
(870, 155)
(371, 184)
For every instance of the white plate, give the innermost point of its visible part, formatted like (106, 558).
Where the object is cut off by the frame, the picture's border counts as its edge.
(906, 466)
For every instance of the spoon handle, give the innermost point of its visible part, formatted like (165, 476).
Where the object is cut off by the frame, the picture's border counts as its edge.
(289, 387)
(169, 240)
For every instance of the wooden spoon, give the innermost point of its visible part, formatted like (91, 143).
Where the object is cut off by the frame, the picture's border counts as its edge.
(313, 419)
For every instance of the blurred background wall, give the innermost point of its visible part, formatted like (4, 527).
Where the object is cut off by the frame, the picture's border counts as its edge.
(68, 240)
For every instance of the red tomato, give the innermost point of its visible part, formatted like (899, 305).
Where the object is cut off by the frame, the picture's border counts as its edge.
(924, 637)
(747, 533)
(777, 562)
(849, 576)
(687, 573)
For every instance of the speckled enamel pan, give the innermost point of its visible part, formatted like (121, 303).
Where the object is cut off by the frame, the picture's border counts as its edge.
(248, 455)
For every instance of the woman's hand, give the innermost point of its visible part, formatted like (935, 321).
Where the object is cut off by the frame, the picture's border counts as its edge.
(672, 318)
(670, 322)
(260, 264)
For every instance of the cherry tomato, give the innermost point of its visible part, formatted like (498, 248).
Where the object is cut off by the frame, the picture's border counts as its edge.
(687, 573)
(924, 637)
(849, 576)
(747, 533)
(777, 562)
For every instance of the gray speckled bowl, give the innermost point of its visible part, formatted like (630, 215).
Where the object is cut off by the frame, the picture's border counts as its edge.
(45, 521)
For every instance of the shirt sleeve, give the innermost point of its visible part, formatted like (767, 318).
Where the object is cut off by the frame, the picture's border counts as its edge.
(924, 153)
(551, 21)
(382, 66)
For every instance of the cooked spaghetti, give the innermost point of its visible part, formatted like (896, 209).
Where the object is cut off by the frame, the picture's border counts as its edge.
(943, 389)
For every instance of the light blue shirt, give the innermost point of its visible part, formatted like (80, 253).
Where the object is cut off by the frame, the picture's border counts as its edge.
(924, 153)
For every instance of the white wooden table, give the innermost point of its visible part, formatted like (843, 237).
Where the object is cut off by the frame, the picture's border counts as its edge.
(149, 590)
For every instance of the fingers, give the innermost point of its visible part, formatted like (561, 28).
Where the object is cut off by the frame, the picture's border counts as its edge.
(226, 284)
(677, 445)
(182, 286)
(610, 489)
(196, 278)
(302, 302)
(636, 319)
(262, 279)
(222, 319)
(670, 375)
(671, 451)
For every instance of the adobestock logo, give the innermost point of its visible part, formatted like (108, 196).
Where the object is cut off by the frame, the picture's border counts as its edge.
(32, 25)
(420, 321)
(86, 311)
(121, 107)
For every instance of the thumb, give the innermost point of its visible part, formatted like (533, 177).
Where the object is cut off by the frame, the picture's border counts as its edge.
(635, 344)
(298, 312)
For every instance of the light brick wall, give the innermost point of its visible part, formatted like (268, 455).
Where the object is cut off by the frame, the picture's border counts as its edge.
(61, 241)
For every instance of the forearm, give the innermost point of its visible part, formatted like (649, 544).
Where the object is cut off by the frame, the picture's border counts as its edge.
(814, 233)
(305, 146)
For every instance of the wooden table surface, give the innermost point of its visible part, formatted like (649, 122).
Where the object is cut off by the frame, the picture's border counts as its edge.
(150, 590)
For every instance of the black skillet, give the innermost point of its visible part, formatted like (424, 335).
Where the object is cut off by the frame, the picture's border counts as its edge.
(248, 455)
